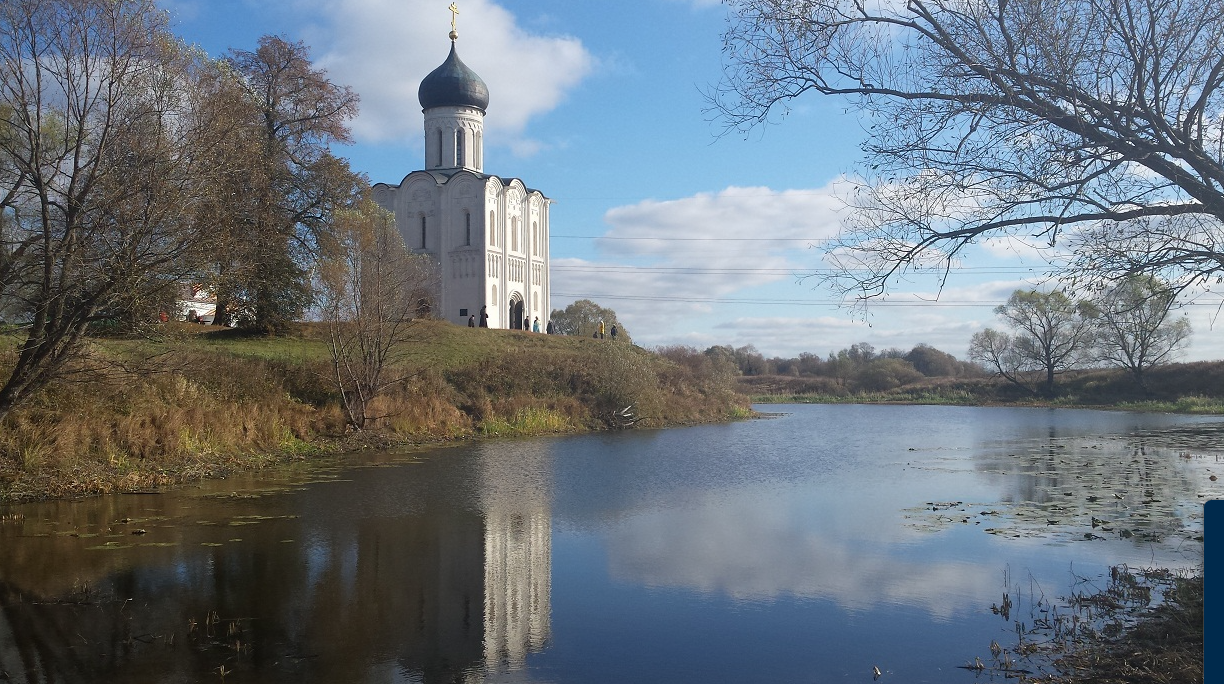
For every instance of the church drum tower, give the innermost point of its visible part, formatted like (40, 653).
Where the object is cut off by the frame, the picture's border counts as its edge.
(488, 234)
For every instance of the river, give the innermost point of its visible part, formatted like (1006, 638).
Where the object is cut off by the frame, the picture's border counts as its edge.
(813, 545)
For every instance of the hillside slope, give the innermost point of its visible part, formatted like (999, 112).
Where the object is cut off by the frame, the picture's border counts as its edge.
(194, 401)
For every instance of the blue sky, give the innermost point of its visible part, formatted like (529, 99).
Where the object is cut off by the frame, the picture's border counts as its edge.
(693, 237)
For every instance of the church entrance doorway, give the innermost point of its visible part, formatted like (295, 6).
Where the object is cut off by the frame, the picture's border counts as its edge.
(516, 312)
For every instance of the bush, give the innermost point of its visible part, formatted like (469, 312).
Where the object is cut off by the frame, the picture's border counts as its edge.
(886, 374)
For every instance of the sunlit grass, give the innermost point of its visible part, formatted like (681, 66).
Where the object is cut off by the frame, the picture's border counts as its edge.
(1198, 405)
(187, 401)
(531, 421)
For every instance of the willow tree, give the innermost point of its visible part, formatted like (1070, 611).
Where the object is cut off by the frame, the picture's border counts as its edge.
(105, 145)
(1096, 124)
(1050, 334)
(1136, 328)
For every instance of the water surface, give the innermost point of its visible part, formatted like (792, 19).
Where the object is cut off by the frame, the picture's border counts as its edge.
(807, 547)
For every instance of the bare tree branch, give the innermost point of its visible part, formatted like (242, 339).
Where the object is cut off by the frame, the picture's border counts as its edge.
(999, 117)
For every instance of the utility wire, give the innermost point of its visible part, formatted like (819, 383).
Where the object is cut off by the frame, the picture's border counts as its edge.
(694, 270)
(692, 239)
(806, 302)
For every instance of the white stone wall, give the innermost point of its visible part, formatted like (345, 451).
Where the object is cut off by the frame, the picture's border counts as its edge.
(506, 255)
(441, 124)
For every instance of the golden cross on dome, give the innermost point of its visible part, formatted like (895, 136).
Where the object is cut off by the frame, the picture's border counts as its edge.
(454, 17)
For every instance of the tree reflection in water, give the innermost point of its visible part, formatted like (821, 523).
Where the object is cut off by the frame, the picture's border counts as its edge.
(411, 578)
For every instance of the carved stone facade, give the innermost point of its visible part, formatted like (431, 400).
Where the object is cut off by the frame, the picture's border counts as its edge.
(489, 234)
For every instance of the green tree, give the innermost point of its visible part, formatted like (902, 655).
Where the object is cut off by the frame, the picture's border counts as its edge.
(582, 319)
(997, 351)
(885, 374)
(1097, 118)
(811, 364)
(1134, 329)
(751, 361)
(932, 362)
(1052, 333)
(296, 184)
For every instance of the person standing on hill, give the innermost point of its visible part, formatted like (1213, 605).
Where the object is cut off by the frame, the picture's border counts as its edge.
(613, 332)
(601, 329)
(484, 316)
(535, 324)
(472, 321)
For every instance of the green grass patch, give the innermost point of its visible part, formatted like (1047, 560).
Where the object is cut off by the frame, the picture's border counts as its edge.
(1200, 405)
(530, 421)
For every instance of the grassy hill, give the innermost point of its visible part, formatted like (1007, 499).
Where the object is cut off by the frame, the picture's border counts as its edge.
(190, 401)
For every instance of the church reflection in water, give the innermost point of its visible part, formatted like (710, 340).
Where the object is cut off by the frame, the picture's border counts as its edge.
(393, 574)
(516, 585)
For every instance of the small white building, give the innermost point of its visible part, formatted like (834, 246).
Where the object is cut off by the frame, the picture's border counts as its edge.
(196, 301)
(489, 234)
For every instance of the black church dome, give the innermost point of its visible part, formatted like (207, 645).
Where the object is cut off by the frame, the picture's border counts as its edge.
(453, 85)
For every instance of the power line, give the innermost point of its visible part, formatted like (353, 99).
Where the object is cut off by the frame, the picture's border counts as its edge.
(807, 302)
(763, 301)
(695, 270)
(691, 239)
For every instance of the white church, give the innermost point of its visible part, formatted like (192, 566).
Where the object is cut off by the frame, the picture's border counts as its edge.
(489, 234)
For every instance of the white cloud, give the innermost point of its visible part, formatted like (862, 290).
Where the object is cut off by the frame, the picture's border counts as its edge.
(780, 219)
(898, 327)
(716, 544)
(383, 48)
(727, 268)
(671, 260)
(1205, 311)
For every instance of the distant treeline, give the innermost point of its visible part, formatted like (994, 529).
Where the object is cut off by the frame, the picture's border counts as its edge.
(857, 368)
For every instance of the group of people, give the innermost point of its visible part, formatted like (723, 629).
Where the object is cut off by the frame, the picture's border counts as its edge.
(599, 334)
(484, 318)
(535, 325)
(484, 322)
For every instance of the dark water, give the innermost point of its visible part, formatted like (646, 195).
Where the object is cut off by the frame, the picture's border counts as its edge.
(810, 547)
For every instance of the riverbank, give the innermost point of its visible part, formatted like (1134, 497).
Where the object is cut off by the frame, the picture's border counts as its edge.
(188, 402)
(1161, 645)
(1196, 388)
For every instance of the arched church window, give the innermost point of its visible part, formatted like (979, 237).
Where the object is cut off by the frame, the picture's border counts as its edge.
(422, 231)
(495, 295)
(459, 147)
(535, 237)
(535, 300)
(514, 236)
(439, 147)
(467, 229)
(492, 230)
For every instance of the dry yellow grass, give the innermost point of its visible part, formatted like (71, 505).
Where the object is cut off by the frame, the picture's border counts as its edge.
(198, 402)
